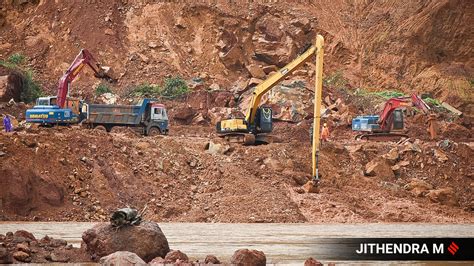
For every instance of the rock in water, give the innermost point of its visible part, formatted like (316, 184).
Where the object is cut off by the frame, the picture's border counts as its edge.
(146, 240)
(122, 258)
(5, 256)
(248, 257)
(176, 256)
(22, 256)
(211, 259)
(312, 262)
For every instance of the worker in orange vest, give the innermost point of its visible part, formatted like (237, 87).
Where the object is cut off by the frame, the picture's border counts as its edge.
(325, 133)
(432, 126)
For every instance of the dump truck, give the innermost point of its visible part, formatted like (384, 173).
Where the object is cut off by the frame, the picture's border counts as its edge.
(148, 116)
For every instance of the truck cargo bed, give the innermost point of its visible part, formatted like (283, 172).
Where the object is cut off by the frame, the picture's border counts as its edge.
(116, 114)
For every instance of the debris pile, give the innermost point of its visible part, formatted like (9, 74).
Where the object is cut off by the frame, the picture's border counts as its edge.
(23, 247)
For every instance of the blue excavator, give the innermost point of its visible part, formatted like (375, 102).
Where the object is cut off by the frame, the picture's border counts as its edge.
(62, 109)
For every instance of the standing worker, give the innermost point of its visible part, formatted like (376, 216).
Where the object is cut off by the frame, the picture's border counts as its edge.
(7, 123)
(432, 126)
(325, 133)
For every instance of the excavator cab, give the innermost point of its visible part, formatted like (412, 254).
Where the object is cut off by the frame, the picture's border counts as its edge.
(397, 123)
(263, 120)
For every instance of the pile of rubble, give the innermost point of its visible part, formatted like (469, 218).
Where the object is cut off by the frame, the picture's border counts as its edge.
(23, 247)
(139, 244)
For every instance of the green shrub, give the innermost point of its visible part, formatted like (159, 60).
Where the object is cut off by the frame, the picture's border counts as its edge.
(102, 88)
(16, 59)
(432, 101)
(174, 87)
(146, 90)
(388, 94)
(31, 89)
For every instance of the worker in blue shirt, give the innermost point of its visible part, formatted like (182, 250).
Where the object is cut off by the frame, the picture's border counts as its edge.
(7, 123)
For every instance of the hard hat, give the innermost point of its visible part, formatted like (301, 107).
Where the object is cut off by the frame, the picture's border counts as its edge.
(325, 125)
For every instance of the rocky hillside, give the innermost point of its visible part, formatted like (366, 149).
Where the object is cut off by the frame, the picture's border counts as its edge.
(422, 46)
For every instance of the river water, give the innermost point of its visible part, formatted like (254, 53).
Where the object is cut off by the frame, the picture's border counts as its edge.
(281, 243)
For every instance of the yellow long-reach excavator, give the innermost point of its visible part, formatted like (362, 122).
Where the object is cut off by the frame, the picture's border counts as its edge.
(258, 120)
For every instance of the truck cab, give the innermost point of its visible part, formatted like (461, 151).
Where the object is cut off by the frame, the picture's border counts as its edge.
(158, 120)
(158, 112)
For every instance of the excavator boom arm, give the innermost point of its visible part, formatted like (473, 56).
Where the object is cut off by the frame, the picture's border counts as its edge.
(84, 57)
(269, 83)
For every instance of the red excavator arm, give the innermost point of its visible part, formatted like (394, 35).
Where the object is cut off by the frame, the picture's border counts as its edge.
(84, 57)
(394, 103)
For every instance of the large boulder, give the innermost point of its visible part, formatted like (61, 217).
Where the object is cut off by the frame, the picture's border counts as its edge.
(184, 115)
(122, 258)
(146, 240)
(379, 167)
(109, 98)
(248, 257)
(418, 187)
(443, 195)
(217, 148)
(392, 156)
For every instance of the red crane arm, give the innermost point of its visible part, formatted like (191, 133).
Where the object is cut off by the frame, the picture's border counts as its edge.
(84, 57)
(394, 103)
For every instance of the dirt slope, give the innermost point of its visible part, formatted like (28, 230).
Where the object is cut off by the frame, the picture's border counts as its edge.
(87, 174)
(423, 46)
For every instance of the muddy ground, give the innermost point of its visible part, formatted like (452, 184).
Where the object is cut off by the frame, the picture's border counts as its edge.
(75, 174)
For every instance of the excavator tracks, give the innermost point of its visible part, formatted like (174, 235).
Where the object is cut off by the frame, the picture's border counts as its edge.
(381, 136)
(247, 138)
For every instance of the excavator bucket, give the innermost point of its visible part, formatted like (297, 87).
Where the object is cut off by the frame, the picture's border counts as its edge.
(106, 73)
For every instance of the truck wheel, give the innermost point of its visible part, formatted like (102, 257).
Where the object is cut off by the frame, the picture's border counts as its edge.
(154, 131)
(100, 128)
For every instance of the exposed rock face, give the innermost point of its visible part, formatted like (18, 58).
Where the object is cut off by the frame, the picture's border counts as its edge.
(184, 114)
(146, 240)
(11, 86)
(122, 258)
(243, 257)
(27, 186)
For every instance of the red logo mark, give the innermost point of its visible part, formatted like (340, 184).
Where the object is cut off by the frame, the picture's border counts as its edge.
(453, 248)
